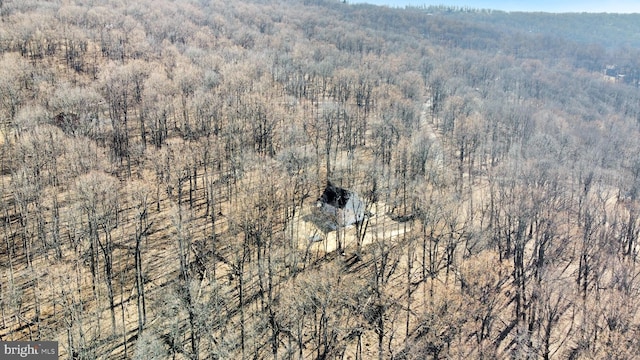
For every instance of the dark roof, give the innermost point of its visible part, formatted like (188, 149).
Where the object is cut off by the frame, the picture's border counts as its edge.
(335, 196)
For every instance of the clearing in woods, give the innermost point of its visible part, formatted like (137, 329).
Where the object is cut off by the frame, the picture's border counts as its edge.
(378, 225)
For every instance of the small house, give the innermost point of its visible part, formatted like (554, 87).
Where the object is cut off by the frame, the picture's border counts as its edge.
(344, 207)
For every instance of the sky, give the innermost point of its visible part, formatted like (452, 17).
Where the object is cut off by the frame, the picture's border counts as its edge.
(557, 6)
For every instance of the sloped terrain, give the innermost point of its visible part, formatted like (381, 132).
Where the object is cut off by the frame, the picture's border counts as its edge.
(160, 160)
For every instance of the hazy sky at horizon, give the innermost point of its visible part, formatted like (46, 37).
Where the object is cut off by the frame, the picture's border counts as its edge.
(594, 6)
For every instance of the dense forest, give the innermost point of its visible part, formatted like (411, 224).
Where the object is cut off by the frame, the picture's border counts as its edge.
(608, 30)
(161, 160)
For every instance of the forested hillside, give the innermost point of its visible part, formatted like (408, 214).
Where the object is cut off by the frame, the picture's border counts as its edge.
(161, 160)
(609, 30)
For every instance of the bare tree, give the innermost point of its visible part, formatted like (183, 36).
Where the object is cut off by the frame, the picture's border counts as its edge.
(97, 194)
(122, 87)
(139, 195)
